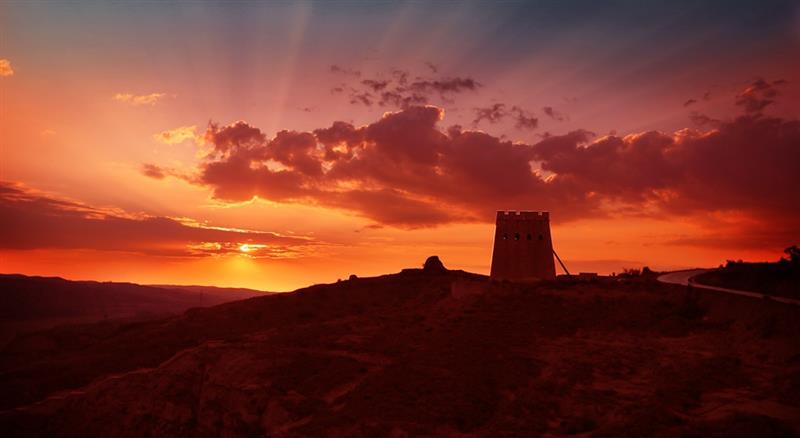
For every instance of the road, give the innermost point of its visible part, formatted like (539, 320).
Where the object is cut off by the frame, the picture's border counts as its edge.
(685, 278)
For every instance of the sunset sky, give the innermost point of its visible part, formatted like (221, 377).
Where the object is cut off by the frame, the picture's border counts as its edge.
(275, 145)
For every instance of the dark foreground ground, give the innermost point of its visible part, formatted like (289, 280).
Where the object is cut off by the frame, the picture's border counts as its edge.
(421, 353)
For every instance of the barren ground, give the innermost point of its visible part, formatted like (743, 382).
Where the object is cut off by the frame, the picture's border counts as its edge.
(419, 353)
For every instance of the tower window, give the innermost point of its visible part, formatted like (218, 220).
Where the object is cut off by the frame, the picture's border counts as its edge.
(505, 236)
(541, 237)
(529, 236)
(516, 236)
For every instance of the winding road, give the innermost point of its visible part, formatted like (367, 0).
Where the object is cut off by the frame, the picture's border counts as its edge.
(685, 278)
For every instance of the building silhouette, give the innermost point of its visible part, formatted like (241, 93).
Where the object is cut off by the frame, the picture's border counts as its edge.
(523, 249)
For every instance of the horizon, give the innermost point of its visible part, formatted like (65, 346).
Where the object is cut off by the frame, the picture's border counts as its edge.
(278, 145)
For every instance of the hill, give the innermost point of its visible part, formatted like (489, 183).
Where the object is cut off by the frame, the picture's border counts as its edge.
(781, 278)
(420, 353)
(30, 303)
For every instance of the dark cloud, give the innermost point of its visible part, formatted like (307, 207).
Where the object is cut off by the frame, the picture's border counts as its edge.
(375, 85)
(549, 111)
(345, 71)
(397, 90)
(444, 86)
(758, 95)
(703, 120)
(523, 119)
(499, 112)
(491, 114)
(30, 220)
(153, 171)
(689, 102)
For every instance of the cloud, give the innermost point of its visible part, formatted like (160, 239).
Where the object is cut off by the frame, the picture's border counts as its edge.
(523, 119)
(5, 68)
(375, 85)
(345, 71)
(177, 135)
(703, 120)
(758, 95)
(138, 100)
(153, 171)
(406, 170)
(397, 90)
(549, 111)
(400, 170)
(689, 102)
(445, 86)
(492, 114)
(499, 111)
(32, 220)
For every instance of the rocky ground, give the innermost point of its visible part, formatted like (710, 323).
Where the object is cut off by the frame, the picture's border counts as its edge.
(421, 353)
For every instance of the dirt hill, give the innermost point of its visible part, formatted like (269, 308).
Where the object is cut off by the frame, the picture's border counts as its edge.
(420, 353)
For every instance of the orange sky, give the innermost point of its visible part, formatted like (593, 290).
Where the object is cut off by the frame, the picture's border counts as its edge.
(93, 188)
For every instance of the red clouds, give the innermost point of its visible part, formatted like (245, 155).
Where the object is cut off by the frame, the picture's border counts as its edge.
(758, 95)
(405, 170)
(748, 168)
(30, 220)
(400, 170)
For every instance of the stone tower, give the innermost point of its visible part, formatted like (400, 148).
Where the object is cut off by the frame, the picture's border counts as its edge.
(523, 250)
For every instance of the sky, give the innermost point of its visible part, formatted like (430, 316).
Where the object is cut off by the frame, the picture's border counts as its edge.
(274, 145)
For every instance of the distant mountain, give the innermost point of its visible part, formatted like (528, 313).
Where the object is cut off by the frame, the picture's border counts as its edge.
(239, 292)
(419, 353)
(39, 302)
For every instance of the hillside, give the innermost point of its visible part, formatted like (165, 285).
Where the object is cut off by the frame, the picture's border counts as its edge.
(420, 353)
(30, 303)
(781, 278)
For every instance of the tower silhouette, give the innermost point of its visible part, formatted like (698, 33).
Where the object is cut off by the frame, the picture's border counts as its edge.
(523, 249)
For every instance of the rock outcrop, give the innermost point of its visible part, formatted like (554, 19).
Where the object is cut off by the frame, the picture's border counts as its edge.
(434, 265)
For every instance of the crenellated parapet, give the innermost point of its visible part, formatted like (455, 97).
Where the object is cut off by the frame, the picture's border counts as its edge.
(522, 214)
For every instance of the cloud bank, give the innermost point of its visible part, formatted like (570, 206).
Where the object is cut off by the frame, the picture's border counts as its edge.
(31, 220)
(408, 170)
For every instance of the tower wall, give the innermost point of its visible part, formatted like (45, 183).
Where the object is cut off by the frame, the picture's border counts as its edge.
(523, 249)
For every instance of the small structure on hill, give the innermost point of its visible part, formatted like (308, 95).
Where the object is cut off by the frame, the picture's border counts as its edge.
(433, 264)
(523, 249)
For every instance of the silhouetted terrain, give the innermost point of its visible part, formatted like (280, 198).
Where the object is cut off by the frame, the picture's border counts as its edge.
(417, 353)
(29, 303)
(780, 278)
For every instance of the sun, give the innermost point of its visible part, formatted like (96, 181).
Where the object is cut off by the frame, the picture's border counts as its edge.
(245, 248)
